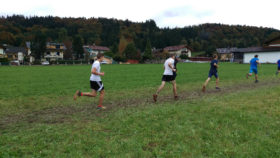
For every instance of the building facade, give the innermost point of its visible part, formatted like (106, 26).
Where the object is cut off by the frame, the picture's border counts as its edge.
(16, 53)
(226, 54)
(2, 53)
(54, 51)
(179, 50)
(268, 53)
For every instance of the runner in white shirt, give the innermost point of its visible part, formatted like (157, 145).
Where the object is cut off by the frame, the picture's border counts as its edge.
(95, 82)
(168, 77)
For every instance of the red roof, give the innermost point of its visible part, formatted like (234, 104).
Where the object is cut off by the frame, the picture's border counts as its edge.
(175, 48)
(100, 48)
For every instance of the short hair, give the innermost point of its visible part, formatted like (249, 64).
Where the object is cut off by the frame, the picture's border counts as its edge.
(99, 55)
(215, 56)
(256, 56)
(172, 55)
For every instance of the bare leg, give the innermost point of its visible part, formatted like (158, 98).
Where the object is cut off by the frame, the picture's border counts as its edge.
(160, 87)
(205, 84)
(249, 74)
(174, 89)
(217, 82)
(256, 77)
(207, 81)
(101, 97)
(90, 94)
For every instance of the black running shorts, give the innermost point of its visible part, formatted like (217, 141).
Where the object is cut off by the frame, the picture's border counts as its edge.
(97, 85)
(168, 78)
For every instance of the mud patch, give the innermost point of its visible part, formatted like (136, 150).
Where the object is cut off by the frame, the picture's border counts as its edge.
(64, 114)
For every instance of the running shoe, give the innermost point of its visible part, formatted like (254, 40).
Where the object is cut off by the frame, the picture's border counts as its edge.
(77, 94)
(155, 97)
(100, 107)
(203, 88)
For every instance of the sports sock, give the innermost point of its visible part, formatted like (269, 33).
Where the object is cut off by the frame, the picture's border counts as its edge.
(80, 93)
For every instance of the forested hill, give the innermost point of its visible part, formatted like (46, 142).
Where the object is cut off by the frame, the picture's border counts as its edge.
(17, 29)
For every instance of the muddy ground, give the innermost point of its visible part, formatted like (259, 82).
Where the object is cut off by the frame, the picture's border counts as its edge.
(64, 114)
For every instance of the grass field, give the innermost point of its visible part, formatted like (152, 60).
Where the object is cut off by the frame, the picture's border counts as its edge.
(38, 117)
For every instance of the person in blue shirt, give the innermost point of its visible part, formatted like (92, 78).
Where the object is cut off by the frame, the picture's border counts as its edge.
(278, 63)
(213, 71)
(254, 68)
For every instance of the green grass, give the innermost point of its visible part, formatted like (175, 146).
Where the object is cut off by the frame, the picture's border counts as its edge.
(39, 118)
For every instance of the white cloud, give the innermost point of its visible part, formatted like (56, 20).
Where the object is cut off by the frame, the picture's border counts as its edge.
(166, 13)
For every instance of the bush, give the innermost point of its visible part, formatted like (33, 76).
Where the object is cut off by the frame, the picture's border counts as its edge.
(119, 58)
(4, 60)
(184, 56)
(5, 63)
(37, 62)
(109, 53)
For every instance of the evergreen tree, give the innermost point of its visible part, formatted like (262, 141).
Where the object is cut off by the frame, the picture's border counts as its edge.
(78, 47)
(130, 52)
(148, 51)
(114, 48)
(38, 45)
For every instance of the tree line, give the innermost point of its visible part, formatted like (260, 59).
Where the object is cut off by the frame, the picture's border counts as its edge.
(125, 38)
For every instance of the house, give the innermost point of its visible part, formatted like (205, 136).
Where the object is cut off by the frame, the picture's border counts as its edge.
(16, 53)
(268, 53)
(93, 50)
(106, 59)
(29, 55)
(179, 50)
(2, 52)
(54, 51)
(159, 53)
(226, 54)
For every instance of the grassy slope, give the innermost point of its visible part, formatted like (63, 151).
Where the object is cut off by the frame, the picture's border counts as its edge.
(241, 124)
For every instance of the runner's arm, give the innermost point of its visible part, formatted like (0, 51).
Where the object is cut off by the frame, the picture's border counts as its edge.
(170, 65)
(93, 71)
(216, 65)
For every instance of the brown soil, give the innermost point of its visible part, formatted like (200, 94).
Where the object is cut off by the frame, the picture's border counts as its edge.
(64, 114)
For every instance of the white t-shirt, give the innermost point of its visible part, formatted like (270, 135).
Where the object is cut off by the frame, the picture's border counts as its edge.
(94, 77)
(167, 69)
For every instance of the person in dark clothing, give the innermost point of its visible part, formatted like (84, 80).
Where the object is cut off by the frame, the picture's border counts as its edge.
(175, 67)
(213, 71)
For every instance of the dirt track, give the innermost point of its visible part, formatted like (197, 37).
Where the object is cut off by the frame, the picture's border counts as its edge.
(64, 114)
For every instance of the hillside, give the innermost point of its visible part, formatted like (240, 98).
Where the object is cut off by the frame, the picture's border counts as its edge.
(17, 29)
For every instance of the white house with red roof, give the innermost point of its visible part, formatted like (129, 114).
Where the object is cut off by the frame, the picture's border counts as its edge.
(179, 50)
(94, 49)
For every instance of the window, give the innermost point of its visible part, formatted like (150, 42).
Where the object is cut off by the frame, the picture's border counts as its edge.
(58, 53)
(57, 46)
(48, 53)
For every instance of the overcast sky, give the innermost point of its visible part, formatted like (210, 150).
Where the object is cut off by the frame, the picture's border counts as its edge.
(172, 13)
